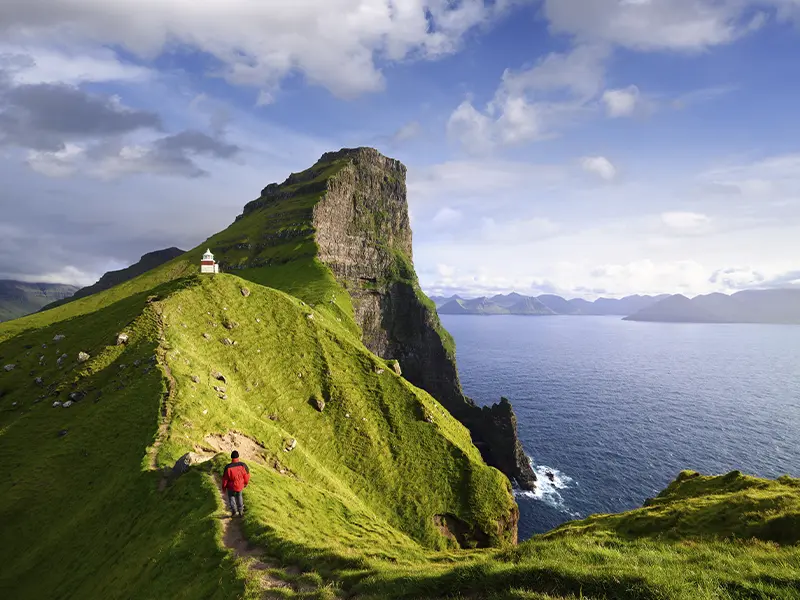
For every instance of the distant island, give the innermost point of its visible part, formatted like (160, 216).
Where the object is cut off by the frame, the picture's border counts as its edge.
(750, 306)
(543, 305)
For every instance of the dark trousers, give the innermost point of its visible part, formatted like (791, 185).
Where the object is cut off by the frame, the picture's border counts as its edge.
(236, 501)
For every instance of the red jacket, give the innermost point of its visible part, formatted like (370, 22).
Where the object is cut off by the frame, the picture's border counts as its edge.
(235, 476)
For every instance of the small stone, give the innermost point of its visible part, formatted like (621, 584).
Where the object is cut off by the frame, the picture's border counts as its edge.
(58, 337)
(300, 375)
(205, 412)
(310, 316)
(9, 367)
(224, 308)
(319, 403)
(291, 446)
(123, 366)
(83, 357)
(38, 381)
(68, 403)
(273, 417)
(44, 345)
(61, 359)
(229, 324)
(75, 396)
(62, 433)
(122, 338)
(346, 415)
(195, 378)
(219, 389)
(56, 404)
(258, 320)
(379, 371)
(136, 363)
(245, 292)
(207, 336)
(223, 397)
(227, 341)
(13, 404)
(219, 376)
(395, 364)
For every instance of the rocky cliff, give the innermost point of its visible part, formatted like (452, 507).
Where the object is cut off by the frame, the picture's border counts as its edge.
(362, 233)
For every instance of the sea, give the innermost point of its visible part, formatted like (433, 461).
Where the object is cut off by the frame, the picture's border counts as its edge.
(614, 409)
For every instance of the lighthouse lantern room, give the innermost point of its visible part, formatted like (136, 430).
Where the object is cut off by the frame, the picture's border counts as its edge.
(207, 265)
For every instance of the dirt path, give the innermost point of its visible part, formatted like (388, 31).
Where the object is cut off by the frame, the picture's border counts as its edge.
(234, 539)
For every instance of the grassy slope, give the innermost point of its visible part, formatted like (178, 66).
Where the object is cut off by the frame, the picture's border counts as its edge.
(356, 513)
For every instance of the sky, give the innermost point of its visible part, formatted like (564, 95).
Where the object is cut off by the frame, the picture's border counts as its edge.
(580, 147)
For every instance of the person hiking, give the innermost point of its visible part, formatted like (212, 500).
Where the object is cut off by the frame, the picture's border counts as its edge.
(235, 478)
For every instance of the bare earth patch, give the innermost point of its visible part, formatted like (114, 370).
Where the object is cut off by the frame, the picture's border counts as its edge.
(248, 448)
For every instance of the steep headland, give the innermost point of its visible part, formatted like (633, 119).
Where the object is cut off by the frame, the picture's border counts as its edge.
(119, 410)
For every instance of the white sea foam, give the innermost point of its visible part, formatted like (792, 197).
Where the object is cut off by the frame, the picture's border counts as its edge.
(547, 490)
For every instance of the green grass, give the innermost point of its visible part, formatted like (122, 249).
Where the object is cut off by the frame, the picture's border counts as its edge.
(350, 511)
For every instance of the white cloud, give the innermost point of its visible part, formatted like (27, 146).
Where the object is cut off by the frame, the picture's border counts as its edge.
(409, 131)
(600, 166)
(621, 102)
(517, 231)
(531, 104)
(260, 43)
(447, 216)
(683, 25)
(685, 221)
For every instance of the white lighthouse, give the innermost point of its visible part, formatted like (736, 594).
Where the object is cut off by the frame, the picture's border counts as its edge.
(208, 265)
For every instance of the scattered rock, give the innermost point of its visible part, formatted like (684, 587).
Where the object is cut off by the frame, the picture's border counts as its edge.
(346, 415)
(223, 397)
(310, 316)
(13, 404)
(291, 445)
(273, 417)
(229, 324)
(123, 366)
(395, 364)
(83, 357)
(219, 376)
(300, 375)
(122, 338)
(136, 362)
(207, 336)
(184, 462)
(205, 411)
(75, 396)
(195, 379)
(428, 417)
(258, 320)
(68, 403)
(44, 345)
(219, 389)
(58, 337)
(9, 367)
(319, 404)
(62, 433)
(56, 404)
(379, 371)
(245, 292)
(38, 381)
(227, 341)
(61, 359)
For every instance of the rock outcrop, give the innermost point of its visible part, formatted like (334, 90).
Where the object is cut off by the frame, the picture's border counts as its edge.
(363, 234)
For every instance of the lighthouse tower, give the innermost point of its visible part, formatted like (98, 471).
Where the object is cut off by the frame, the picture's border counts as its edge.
(207, 265)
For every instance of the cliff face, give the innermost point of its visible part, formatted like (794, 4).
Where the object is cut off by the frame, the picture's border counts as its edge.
(363, 234)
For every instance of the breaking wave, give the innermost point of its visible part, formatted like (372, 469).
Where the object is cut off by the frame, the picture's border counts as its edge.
(548, 490)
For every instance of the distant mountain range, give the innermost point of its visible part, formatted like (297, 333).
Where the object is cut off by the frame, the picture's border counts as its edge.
(751, 306)
(18, 298)
(148, 261)
(544, 305)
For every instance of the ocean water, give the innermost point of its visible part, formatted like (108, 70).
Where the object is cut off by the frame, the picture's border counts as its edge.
(616, 409)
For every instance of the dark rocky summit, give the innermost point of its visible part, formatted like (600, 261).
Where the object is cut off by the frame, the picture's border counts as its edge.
(363, 234)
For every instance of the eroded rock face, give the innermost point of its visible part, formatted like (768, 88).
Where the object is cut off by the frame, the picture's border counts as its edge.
(363, 233)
